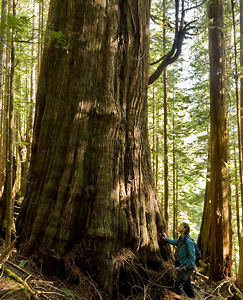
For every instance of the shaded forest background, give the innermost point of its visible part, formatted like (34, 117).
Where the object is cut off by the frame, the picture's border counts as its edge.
(187, 112)
(178, 103)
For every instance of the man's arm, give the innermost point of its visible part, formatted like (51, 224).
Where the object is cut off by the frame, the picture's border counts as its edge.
(169, 241)
(172, 242)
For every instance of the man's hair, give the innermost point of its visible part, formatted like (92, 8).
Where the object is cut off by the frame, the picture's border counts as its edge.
(187, 228)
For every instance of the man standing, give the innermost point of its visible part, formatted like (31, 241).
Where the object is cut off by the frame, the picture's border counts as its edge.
(185, 259)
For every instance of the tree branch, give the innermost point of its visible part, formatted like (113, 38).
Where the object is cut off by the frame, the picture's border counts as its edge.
(157, 61)
(180, 32)
(170, 58)
(196, 6)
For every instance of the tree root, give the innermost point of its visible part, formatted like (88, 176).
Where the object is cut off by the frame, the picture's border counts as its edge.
(12, 291)
(35, 288)
(36, 293)
(15, 277)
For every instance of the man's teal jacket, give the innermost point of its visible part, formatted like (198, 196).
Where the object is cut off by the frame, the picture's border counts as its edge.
(186, 255)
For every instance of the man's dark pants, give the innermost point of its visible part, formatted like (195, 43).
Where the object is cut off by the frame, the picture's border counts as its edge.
(183, 282)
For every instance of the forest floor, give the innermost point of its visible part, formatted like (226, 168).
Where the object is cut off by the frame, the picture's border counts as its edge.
(21, 279)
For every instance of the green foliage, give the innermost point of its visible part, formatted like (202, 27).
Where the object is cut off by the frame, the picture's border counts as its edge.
(22, 263)
(68, 294)
(21, 27)
(188, 118)
(53, 36)
(189, 111)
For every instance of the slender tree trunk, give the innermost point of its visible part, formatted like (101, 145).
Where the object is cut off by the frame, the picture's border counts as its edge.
(241, 97)
(239, 280)
(237, 196)
(40, 36)
(166, 168)
(174, 181)
(154, 144)
(155, 140)
(204, 238)
(2, 146)
(22, 152)
(239, 113)
(29, 121)
(157, 147)
(3, 106)
(176, 201)
(220, 261)
(238, 126)
(166, 172)
(90, 188)
(6, 131)
(9, 196)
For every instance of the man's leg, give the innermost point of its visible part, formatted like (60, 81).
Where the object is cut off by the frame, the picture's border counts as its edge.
(181, 278)
(188, 288)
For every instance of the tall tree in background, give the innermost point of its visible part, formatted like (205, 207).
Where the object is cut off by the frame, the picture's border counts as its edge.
(241, 99)
(3, 103)
(175, 186)
(220, 261)
(10, 157)
(6, 201)
(204, 238)
(24, 149)
(236, 78)
(18, 62)
(90, 186)
(240, 271)
(166, 159)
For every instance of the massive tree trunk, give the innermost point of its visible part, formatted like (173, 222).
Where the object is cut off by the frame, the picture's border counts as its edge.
(90, 185)
(220, 261)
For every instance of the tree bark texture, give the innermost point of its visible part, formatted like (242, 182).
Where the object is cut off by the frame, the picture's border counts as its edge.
(204, 238)
(6, 101)
(3, 112)
(166, 156)
(239, 280)
(9, 196)
(205, 230)
(220, 261)
(241, 96)
(90, 179)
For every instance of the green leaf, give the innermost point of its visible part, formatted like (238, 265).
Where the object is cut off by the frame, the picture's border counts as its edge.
(68, 294)
(22, 263)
